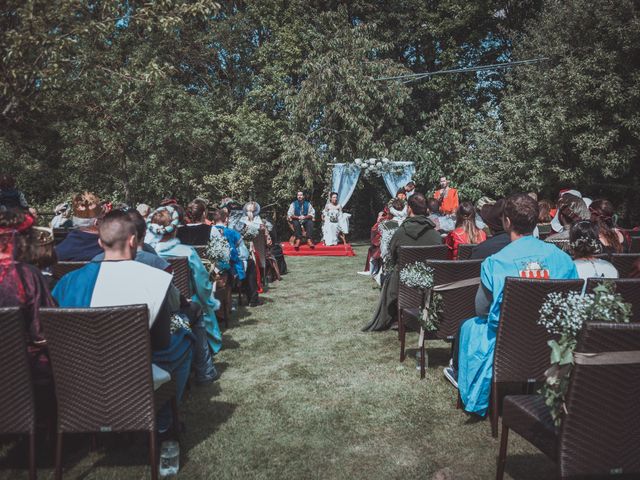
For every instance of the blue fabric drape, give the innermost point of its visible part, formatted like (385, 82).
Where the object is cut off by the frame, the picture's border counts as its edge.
(394, 181)
(344, 180)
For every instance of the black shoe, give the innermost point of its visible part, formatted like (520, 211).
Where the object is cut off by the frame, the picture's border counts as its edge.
(256, 303)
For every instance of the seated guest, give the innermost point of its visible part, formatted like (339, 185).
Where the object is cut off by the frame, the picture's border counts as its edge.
(10, 196)
(410, 189)
(81, 244)
(526, 257)
(196, 231)
(163, 224)
(544, 219)
(22, 285)
(492, 216)
(584, 246)
(301, 214)
(143, 209)
(334, 221)
(417, 230)
(466, 230)
(571, 209)
(62, 218)
(611, 238)
(242, 265)
(398, 209)
(443, 223)
(119, 280)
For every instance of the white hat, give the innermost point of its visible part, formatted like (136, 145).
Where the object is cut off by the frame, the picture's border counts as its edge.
(555, 222)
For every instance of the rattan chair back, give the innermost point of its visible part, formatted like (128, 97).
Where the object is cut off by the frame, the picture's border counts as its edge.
(59, 234)
(60, 269)
(628, 288)
(16, 394)
(458, 304)
(600, 434)
(181, 275)
(465, 250)
(521, 352)
(634, 246)
(624, 262)
(201, 250)
(101, 363)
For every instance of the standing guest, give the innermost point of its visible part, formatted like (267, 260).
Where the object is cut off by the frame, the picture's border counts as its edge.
(119, 280)
(373, 263)
(398, 210)
(410, 189)
(492, 216)
(526, 257)
(584, 246)
(301, 214)
(447, 196)
(163, 223)
(611, 238)
(466, 230)
(417, 230)
(571, 209)
(22, 285)
(81, 244)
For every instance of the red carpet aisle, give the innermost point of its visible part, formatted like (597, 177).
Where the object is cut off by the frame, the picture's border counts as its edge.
(321, 250)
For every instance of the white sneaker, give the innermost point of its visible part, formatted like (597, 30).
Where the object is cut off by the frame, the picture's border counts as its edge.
(451, 375)
(367, 274)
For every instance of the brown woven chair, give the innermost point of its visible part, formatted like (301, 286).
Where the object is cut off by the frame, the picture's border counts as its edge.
(465, 250)
(634, 246)
(59, 234)
(201, 250)
(629, 288)
(521, 352)
(458, 301)
(260, 247)
(409, 298)
(101, 363)
(600, 433)
(624, 262)
(60, 269)
(17, 415)
(181, 275)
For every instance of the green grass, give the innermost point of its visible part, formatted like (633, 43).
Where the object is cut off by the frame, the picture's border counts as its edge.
(306, 394)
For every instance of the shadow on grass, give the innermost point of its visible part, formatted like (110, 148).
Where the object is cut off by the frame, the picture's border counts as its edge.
(529, 466)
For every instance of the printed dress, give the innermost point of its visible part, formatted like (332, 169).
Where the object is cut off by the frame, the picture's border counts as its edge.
(526, 257)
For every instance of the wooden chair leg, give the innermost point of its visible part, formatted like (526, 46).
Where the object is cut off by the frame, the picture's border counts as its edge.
(402, 334)
(423, 369)
(458, 402)
(58, 474)
(153, 455)
(32, 456)
(494, 410)
(502, 457)
(94, 442)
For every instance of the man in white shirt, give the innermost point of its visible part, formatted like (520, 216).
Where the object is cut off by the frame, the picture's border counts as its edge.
(301, 214)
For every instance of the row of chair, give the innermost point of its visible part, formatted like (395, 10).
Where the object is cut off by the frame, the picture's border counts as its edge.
(521, 354)
(101, 367)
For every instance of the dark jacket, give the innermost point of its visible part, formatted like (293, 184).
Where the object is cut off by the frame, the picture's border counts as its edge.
(78, 246)
(490, 246)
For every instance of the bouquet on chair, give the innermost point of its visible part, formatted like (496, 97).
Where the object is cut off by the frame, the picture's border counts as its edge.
(219, 253)
(419, 276)
(564, 314)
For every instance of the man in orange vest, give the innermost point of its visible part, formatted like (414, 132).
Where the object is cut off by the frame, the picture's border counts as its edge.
(447, 196)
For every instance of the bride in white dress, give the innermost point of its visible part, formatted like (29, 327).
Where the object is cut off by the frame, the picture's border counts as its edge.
(334, 221)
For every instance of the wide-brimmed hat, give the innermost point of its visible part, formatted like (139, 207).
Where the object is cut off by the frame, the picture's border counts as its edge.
(86, 205)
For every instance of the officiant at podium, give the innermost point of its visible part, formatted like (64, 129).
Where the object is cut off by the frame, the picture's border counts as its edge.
(301, 214)
(447, 196)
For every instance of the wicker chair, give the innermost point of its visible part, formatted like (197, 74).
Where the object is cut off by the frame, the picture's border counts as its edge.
(458, 301)
(60, 269)
(59, 234)
(634, 246)
(260, 247)
(17, 415)
(624, 262)
(201, 250)
(101, 363)
(599, 436)
(465, 250)
(181, 275)
(521, 351)
(409, 298)
(629, 288)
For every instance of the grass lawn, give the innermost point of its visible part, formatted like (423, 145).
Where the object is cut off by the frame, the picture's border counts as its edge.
(305, 394)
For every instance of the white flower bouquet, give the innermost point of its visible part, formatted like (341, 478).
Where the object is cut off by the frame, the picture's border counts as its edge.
(418, 275)
(219, 252)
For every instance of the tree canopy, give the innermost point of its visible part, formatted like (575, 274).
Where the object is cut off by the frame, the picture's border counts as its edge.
(139, 100)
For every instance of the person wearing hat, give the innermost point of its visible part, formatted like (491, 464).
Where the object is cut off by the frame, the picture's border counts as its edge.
(62, 218)
(492, 216)
(571, 209)
(81, 244)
